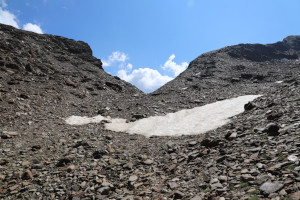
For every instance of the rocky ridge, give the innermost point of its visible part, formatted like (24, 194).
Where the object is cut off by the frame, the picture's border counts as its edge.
(256, 156)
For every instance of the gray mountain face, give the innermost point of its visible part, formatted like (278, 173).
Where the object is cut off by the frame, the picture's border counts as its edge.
(45, 78)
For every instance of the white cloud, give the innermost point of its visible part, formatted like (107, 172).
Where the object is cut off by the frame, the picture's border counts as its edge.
(129, 66)
(3, 3)
(116, 56)
(174, 67)
(33, 28)
(145, 79)
(8, 18)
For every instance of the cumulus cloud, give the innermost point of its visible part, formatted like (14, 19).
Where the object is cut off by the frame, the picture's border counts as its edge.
(175, 68)
(116, 56)
(8, 18)
(33, 28)
(145, 79)
(3, 3)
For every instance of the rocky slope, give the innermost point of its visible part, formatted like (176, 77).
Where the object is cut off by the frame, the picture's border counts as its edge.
(45, 78)
(51, 76)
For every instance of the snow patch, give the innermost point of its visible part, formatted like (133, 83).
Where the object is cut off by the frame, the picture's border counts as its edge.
(279, 82)
(185, 122)
(77, 120)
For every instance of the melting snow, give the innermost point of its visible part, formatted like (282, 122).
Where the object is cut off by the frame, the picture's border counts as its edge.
(77, 120)
(185, 122)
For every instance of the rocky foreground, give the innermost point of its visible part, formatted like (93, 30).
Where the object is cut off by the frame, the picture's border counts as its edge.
(256, 156)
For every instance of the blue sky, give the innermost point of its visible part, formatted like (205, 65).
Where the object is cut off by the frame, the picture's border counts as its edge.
(149, 42)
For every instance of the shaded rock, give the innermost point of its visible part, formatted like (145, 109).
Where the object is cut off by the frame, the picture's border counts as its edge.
(272, 129)
(178, 194)
(63, 162)
(27, 175)
(249, 106)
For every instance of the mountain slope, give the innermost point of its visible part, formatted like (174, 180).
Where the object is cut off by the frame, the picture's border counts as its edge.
(42, 75)
(45, 78)
(233, 71)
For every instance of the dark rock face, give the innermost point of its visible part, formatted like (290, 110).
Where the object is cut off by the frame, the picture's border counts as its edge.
(45, 78)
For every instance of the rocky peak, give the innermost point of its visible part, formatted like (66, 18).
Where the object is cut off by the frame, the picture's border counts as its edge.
(25, 51)
(293, 42)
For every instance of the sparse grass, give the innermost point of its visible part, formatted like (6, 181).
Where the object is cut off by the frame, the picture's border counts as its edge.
(242, 185)
(231, 187)
(246, 188)
(206, 191)
(264, 137)
(282, 157)
(264, 155)
(291, 167)
(254, 192)
(254, 198)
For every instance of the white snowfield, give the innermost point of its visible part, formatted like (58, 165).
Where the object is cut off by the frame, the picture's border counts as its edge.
(185, 122)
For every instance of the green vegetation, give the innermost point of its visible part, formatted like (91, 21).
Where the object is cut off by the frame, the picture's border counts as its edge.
(254, 192)
(291, 167)
(264, 155)
(242, 185)
(282, 157)
(254, 198)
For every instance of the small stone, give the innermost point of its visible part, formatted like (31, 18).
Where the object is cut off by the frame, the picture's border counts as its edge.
(293, 158)
(15, 187)
(260, 165)
(104, 190)
(63, 162)
(109, 137)
(172, 185)
(283, 192)
(71, 168)
(216, 186)
(249, 106)
(192, 143)
(196, 198)
(247, 177)
(9, 134)
(27, 175)
(3, 162)
(99, 154)
(148, 162)
(232, 136)
(106, 184)
(83, 184)
(133, 178)
(269, 187)
(295, 196)
(277, 167)
(178, 194)
(223, 178)
(26, 163)
(128, 165)
(36, 147)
